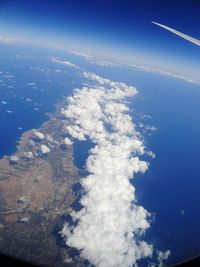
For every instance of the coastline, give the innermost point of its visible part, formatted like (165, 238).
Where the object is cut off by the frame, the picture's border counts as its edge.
(36, 193)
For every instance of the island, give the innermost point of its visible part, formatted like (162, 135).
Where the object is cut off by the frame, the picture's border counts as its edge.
(36, 194)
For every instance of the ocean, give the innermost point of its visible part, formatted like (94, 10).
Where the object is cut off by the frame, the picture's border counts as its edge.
(31, 85)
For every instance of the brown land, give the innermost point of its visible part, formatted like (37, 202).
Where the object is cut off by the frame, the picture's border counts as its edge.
(36, 194)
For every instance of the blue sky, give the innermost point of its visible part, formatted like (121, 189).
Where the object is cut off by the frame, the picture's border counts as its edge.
(121, 29)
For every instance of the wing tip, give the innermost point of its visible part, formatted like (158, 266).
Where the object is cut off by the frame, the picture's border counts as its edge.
(154, 22)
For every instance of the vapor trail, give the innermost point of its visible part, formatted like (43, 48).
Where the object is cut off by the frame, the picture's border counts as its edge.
(184, 36)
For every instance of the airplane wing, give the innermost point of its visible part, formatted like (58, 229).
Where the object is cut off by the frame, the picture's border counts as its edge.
(184, 36)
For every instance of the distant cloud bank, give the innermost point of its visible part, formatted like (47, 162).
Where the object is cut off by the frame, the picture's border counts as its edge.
(64, 62)
(166, 73)
(115, 63)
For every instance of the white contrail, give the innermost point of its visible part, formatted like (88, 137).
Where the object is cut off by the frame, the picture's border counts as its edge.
(184, 36)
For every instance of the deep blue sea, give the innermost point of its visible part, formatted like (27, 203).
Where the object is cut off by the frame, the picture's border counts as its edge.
(30, 86)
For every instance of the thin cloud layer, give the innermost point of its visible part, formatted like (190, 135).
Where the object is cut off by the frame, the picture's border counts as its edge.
(7, 40)
(110, 227)
(64, 62)
(96, 59)
(165, 73)
(108, 63)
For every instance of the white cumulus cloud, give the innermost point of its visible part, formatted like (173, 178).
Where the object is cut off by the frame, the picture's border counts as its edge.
(162, 256)
(110, 226)
(39, 135)
(45, 149)
(67, 141)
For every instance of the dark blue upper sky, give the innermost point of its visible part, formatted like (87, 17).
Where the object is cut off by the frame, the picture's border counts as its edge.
(117, 28)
